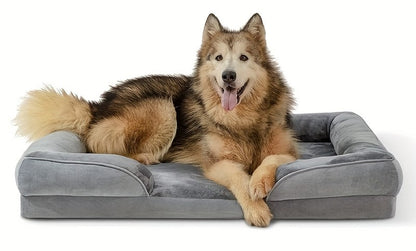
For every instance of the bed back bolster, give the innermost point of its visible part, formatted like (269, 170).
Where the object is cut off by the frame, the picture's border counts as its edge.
(312, 127)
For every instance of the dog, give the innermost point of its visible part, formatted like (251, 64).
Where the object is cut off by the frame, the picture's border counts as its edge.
(231, 117)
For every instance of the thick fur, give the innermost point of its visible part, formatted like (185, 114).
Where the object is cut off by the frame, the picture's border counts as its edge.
(47, 110)
(230, 117)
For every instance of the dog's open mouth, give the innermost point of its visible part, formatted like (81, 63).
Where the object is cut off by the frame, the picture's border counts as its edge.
(230, 97)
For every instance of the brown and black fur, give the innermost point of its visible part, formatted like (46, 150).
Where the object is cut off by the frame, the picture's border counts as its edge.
(182, 118)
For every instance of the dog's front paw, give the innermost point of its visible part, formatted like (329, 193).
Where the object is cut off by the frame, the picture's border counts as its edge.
(260, 185)
(257, 213)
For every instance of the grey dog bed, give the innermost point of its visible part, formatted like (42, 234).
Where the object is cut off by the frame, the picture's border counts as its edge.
(344, 173)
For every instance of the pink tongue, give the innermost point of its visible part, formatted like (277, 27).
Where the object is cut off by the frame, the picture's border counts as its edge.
(229, 99)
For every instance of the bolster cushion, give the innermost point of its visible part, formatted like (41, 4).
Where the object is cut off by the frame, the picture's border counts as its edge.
(59, 165)
(361, 166)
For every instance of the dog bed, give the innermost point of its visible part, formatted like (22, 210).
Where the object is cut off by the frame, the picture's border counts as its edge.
(344, 173)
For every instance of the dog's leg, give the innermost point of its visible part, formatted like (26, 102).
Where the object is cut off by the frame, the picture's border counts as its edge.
(232, 175)
(263, 178)
(143, 132)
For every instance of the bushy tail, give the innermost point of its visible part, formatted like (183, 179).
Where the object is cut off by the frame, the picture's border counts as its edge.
(48, 110)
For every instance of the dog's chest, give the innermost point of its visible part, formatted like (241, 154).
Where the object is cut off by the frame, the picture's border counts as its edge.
(245, 150)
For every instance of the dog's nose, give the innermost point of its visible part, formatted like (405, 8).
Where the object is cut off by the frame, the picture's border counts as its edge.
(229, 76)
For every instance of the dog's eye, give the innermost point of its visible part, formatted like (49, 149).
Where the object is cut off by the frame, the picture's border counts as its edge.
(218, 58)
(243, 58)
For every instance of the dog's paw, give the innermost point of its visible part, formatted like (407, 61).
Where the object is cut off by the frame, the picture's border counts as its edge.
(258, 214)
(146, 158)
(260, 185)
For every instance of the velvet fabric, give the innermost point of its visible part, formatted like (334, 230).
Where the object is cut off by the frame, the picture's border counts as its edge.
(344, 173)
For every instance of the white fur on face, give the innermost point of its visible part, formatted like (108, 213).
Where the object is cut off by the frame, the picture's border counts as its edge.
(231, 62)
(247, 72)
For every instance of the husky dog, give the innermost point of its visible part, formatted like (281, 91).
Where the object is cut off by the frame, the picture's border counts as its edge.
(231, 117)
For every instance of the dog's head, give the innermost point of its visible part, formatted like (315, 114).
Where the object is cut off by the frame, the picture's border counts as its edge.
(232, 63)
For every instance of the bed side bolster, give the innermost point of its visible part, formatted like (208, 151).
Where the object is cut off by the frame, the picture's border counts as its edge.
(59, 165)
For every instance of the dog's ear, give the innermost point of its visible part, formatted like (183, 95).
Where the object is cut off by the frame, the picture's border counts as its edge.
(212, 26)
(255, 27)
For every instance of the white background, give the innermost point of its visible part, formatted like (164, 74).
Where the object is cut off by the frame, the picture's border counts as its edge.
(337, 56)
